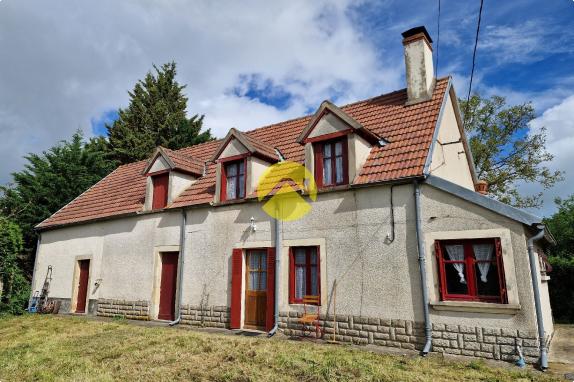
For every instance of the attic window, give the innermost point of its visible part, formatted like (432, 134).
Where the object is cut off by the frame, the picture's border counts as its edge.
(331, 162)
(233, 180)
(160, 190)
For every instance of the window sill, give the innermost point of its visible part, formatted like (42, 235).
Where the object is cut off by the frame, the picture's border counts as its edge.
(476, 307)
(545, 278)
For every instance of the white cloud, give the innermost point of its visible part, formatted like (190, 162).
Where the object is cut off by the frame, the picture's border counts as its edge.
(559, 124)
(64, 63)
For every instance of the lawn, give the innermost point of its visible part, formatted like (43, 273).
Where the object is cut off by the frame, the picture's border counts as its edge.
(46, 348)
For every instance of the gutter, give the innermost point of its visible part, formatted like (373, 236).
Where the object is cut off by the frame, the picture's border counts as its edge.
(278, 244)
(422, 269)
(543, 360)
(180, 276)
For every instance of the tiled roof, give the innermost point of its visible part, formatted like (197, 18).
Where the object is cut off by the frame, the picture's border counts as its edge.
(185, 162)
(409, 129)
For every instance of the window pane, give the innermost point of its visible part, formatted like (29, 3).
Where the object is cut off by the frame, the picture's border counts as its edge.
(313, 255)
(231, 184)
(300, 282)
(300, 258)
(491, 287)
(314, 280)
(453, 281)
(253, 280)
(241, 180)
(338, 149)
(263, 263)
(231, 169)
(263, 280)
(326, 150)
(242, 167)
(339, 169)
(327, 176)
(253, 260)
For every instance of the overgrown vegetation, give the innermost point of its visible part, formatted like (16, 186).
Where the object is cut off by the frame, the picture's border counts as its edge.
(14, 287)
(45, 348)
(561, 224)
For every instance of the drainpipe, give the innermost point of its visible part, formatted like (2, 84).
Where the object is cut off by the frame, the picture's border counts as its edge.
(278, 229)
(422, 269)
(180, 276)
(543, 361)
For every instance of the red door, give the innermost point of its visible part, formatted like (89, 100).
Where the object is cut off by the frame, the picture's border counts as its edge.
(168, 286)
(160, 186)
(84, 266)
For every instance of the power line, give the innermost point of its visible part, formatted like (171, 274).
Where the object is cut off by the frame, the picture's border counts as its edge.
(437, 41)
(474, 53)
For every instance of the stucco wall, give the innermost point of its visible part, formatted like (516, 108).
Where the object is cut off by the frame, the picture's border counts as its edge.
(376, 276)
(449, 159)
(234, 147)
(328, 124)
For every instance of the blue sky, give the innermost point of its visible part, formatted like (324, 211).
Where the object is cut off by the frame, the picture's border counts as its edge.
(70, 66)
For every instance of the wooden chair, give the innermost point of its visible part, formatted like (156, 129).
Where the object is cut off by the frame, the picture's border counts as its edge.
(311, 318)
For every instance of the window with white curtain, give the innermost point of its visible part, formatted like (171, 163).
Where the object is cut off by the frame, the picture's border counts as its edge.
(471, 269)
(304, 273)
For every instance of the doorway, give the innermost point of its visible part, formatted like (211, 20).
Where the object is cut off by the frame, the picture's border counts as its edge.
(256, 289)
(84, 268)
(168, 286)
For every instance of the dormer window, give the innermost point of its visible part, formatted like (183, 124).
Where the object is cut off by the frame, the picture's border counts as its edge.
(160, 190)
(233, 180)
(331, 163)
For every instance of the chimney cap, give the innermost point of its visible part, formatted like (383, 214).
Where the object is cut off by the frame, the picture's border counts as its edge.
(416, 30)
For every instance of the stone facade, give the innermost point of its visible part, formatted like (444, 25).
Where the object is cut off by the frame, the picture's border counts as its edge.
(490, 343)
(133, 310)
(212, 317)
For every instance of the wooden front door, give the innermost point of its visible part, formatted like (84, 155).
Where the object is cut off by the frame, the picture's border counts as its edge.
(168, 286)
(84, 266)
(256, 289)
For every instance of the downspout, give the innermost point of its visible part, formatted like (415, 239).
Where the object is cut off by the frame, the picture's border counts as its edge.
(543, 361)
(422, 269)
(180, 275)
(278, 244)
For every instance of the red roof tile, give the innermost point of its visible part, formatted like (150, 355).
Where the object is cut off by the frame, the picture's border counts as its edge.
(409, 129)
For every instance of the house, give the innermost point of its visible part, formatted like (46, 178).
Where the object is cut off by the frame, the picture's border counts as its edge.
(396, 237)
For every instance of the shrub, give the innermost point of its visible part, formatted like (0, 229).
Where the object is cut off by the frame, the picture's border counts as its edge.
(562, 288)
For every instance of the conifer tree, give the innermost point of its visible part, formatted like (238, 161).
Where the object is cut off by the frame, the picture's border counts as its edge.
(155, 116)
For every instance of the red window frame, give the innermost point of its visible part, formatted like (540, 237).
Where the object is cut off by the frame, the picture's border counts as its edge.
(224, 169)
(319, 152)
(469, 271)
(308, 266)
(160, 184)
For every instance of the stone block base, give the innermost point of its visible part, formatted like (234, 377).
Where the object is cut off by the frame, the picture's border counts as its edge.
(133, 310)
(208, 317)
(490, 343)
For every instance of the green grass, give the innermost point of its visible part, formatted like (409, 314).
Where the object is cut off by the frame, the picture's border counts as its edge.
(46, 348)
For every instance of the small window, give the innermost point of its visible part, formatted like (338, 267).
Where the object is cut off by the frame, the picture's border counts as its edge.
(233, 180)
(160, 188)
(471, 270)
(304, 277)
(331, 163)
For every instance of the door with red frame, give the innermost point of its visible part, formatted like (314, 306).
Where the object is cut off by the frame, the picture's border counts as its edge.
(256, 289)
(168, 285)
(84, 267)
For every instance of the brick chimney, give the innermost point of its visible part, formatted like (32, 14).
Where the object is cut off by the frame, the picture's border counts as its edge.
(419, 65)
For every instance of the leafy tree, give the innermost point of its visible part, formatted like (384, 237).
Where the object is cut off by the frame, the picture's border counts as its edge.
(156, 116)
(561, 224)
(14, 288)
(50, 181)
(505, 151)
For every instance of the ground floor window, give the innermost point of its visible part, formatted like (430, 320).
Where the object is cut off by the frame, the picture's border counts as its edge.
(304, 277)
(471, 270)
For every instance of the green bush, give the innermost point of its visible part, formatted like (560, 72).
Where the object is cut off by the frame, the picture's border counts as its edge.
(15, 288)
(562, 288)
